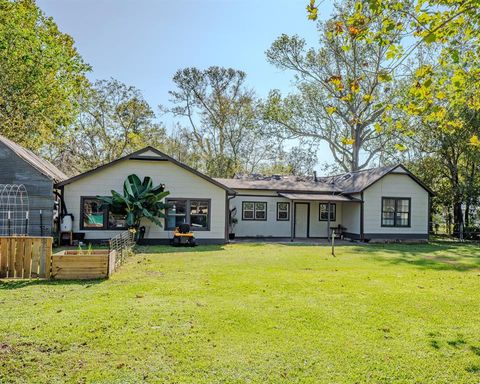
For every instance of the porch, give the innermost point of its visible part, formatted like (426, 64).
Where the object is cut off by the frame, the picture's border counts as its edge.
(320, 216)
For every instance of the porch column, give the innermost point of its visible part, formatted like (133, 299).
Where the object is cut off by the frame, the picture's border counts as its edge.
(292, 220)
(328, 221)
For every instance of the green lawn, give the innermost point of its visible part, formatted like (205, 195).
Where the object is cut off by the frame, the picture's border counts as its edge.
(253, 313)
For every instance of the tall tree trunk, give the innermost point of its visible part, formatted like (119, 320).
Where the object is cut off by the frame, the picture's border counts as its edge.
(458, 219)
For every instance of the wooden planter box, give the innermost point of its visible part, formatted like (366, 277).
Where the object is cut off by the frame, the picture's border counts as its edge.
(81, 264)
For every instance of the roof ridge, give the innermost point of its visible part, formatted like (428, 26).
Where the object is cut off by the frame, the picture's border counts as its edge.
(44, 166)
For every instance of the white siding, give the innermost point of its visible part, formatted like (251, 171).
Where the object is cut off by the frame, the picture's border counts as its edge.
(180, 182)
(273, 228)
(351, 217)
(320, 228)
(267, 228)
(396, 185)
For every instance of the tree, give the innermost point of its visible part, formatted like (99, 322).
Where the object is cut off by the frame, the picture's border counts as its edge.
(299, 161)
(434, 24)
(345, 90)
(139, 200)
(445, 121)
(223, 119)
(114, 120)
(41, 75)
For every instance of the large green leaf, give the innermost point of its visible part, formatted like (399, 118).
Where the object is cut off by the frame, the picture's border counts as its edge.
(132, 186)
(139, 200)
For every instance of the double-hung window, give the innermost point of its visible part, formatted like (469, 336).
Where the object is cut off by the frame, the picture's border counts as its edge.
(283, 211)
(323, 212)
(396, 212)
(254, 210)
(195, 212)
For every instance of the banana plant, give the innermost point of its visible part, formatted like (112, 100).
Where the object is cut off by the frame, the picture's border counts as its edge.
(139, 200)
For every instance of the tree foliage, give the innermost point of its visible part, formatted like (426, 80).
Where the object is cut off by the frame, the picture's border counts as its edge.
(447, 27)
(114, 120)
(446, 123)
(345, 88)
(223, 119)
(41, 75)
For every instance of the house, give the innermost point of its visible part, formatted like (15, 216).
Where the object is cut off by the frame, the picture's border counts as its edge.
(33, 176)
(373, 204)
(195, 198)
(381, 203)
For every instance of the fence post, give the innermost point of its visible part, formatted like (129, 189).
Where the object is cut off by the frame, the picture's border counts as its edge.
(48, 258)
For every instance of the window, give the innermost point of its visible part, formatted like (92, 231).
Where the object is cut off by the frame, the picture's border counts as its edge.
(254, 210)
(94, 215)
(283, 211)
(188, 211)
(323, 212)
(395, 212)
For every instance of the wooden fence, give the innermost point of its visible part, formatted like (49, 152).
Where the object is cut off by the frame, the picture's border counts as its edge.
(25, 257)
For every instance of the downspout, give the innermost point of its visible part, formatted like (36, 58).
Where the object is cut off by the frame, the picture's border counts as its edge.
(292, 220)
(362, 236)
(328, 221)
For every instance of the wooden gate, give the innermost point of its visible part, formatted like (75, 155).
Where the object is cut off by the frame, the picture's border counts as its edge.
(25, 257)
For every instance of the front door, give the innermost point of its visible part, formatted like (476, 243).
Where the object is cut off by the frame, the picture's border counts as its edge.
(302, 218)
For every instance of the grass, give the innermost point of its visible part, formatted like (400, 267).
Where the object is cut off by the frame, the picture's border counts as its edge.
(253, 313)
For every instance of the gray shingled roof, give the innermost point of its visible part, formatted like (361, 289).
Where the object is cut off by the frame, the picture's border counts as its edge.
(281, 183)
(352, 182)
(42, 165)
(355, 182)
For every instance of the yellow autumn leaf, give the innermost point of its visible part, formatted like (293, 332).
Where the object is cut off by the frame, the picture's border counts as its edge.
(355, 86)
(347, 97)
(331, 110)
(441, 95)
(368, 98)
(475, 141)
(378, 127)
(400, 147)
(348, 141)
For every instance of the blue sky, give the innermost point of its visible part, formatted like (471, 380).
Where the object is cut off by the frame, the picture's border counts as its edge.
(143, 42)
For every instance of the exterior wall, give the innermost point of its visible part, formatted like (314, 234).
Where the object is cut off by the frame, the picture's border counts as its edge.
(273, 228)
(180, 182)
(15, 170)
(395, 185)
(351, 216)
(320, 228)
(266, 228)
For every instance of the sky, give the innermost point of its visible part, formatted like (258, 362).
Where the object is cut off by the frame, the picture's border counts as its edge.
(144, 42)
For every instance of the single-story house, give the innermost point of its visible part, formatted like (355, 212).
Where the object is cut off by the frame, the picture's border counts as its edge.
(197, 199)
(26, 191)
(380, 203)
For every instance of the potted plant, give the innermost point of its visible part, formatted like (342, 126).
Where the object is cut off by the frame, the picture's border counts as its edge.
(139, 200)
(233, 220)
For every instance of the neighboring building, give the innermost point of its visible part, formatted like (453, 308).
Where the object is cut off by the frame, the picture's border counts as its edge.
(374, 204)
(380, 203)
(22, 167)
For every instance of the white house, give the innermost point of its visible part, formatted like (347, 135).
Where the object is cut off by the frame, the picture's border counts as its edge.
(197, 198)
(380, 203)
